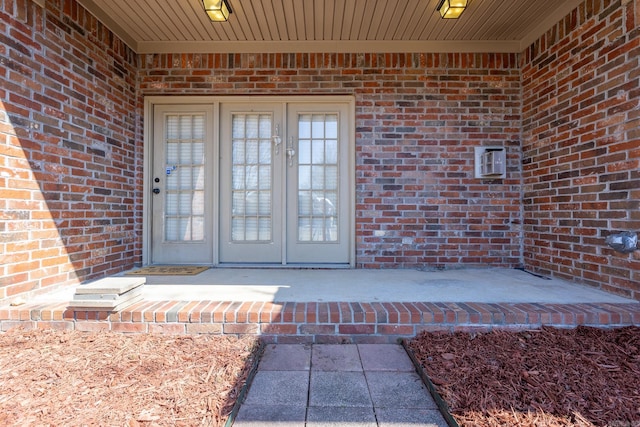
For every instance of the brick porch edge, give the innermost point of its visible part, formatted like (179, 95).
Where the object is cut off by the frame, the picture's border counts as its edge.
(322, 322)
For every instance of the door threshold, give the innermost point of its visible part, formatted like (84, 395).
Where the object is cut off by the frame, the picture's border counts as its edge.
(287, 266)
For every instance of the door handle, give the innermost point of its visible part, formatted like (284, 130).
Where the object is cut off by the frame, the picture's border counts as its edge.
(290, 151)
(276, 139)
(156, 191)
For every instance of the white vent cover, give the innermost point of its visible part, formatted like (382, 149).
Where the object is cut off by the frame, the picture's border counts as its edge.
(490, 162)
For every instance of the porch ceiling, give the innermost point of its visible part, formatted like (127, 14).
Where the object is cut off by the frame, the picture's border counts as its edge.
(169, 26)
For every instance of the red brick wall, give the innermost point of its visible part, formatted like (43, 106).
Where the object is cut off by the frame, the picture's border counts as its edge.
(418, 117)
(581, 146)
(71, 145)
(69, 163)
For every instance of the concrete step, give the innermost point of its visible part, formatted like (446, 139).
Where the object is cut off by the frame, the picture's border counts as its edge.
(108, 294)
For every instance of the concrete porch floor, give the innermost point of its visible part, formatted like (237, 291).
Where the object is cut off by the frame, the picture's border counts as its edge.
(337, 306)
(490, 285)
(322, 285)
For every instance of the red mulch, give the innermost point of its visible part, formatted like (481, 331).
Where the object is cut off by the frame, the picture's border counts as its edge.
(547, 377)
(75, 378)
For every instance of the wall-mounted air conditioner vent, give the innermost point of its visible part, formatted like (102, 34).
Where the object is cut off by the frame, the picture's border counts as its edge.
(490, 162)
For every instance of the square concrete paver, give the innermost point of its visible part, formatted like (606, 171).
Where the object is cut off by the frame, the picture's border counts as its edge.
(332, 416)
(338, 389)
(333, 385)
(399, 390)
(279, 388)
(385, 357)
(286, 357)
(392, 417)
(270, 416)
(335, 357)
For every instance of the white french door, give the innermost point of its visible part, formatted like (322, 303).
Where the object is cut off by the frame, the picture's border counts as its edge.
(251, 184)
(182, 220)
(317, 184)
(284, 183)
(260, 182)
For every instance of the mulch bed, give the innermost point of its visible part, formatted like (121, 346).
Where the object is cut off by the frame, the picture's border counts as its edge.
(547, 377)
(75, 378)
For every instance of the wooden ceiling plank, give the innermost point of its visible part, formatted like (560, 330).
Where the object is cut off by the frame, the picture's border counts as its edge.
(309, 20)
(290, 20)
(253, 21)
(413, 15)
(319, 19)
(398, 17)
(149, 23)
(261, 19)
(152, 14)
(338, 24)
(300, 22)
(518, 24)
(434, 24)
(182, 21)
(376, 22)
(226, 30)
(129, 19)
(329, 20)
(356, 19)
(271, 20)
(349, 10)
(238, 22)
(389, 12)
(280, 19)
(487, 11)
(361, 27)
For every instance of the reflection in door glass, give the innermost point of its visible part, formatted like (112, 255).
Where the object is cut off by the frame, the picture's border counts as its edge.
(318, 178)
(251, 178)
(184, 193)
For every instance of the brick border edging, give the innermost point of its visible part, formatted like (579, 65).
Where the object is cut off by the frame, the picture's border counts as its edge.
(331, 322)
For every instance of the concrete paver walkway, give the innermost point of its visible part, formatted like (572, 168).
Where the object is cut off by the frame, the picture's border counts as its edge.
(363, 385)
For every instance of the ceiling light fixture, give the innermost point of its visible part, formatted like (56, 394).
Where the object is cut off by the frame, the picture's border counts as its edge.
(218, 10)
(452, 9)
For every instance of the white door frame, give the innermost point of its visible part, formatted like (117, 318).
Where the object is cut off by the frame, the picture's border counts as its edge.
(147, 174)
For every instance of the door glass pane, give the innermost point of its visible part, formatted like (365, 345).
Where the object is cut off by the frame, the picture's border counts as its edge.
(304, 151)
(252, 172)
(317, 178)
(184, 192)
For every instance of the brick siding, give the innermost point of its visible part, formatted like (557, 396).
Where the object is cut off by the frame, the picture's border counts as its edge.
(69, 155)
(566, 109)
(418, 119)
(581, 146)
